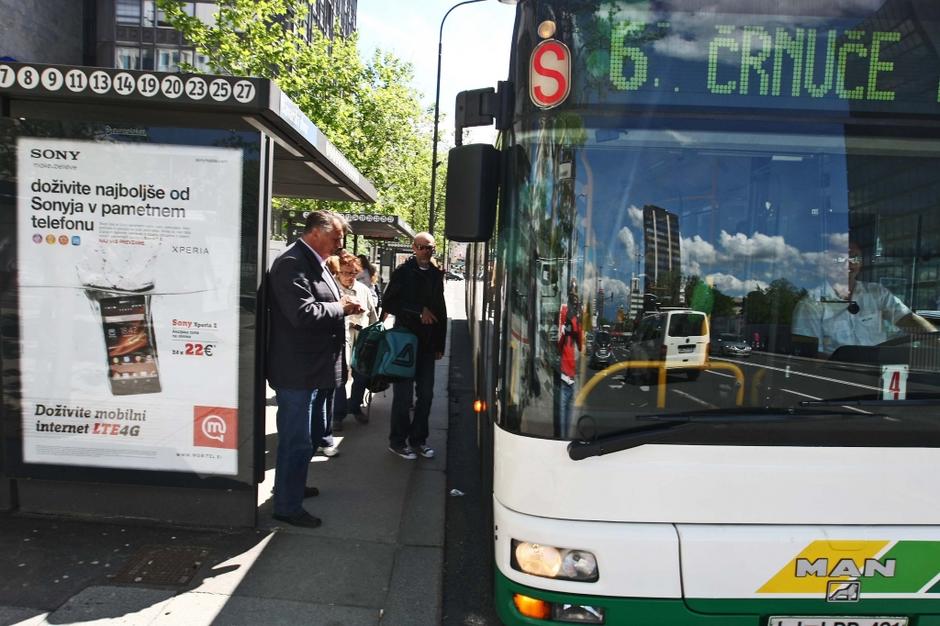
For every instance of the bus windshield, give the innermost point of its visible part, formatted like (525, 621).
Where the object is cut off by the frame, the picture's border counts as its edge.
(817, 244)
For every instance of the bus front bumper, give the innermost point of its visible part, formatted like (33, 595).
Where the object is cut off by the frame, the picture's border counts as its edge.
(636, 611)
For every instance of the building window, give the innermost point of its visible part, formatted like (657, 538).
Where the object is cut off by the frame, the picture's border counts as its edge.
(127, 58)
(202, 63)
(146, 58)
(168, 59)
(206, 13)
(155, 17)
(127, 11)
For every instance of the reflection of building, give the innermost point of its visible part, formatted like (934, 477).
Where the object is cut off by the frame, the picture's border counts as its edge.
(892, 213)
(661, 242)
(636, 297)
(130, 34)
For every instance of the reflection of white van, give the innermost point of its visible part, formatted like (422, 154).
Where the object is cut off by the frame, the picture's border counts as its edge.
(677, 336)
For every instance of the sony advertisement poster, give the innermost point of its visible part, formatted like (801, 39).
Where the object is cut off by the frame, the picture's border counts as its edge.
(128, 283)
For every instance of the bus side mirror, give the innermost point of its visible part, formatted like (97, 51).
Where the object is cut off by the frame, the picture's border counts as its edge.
(472, 190)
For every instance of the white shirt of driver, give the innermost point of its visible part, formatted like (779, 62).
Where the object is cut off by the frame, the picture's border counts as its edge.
(878, 312)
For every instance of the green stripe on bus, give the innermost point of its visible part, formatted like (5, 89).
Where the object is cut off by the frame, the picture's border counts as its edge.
(917, 563)
(706, 612)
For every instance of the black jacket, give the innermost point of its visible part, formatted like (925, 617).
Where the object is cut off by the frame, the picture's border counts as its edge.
(409, 290)
(306, 329)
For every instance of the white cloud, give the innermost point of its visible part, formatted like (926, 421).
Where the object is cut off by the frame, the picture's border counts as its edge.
(734, 286)
(697, 249)
(747, 6)
(681, 47)
(758, 247)
(625, 236)
(616, 288)
(839, 241)
(636, 216)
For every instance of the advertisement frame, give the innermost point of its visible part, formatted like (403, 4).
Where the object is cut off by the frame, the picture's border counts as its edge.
(179, 130)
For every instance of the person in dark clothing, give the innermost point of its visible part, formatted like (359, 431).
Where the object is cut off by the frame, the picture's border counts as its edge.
(306, 338)
(415, 296)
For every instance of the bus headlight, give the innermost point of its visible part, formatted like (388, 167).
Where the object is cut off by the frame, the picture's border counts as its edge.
(551, 562)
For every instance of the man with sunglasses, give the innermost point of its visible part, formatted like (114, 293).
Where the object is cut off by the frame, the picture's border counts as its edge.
(415, 296)
(851, 313)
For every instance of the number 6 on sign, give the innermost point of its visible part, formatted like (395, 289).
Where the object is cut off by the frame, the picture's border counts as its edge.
(893, 382)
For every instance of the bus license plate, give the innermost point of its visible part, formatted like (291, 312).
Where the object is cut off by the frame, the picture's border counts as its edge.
(837, 621)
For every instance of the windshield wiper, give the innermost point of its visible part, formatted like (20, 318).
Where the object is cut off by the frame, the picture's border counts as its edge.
(913, 399)
(666, 422)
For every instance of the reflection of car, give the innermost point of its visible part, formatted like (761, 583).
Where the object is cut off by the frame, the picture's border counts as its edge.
(728, 344)
(601, 353)
(453, 275)
(678, 337)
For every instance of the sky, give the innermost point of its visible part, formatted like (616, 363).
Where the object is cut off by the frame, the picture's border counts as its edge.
(476, 46)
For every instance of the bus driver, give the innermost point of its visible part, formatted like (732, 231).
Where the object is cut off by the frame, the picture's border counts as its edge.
(860, 313)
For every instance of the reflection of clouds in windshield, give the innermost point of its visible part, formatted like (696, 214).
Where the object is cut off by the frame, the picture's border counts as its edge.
(625, 236)
(636, 216)
(733, 285)
(683, 46)
(838, 7)
(759, 247)
(763, 259)
(839, 241)
(699, 250)
(691, 33)
(616, 290)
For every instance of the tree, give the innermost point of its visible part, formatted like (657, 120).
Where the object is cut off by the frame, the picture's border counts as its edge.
(773, 305)
(368, 110)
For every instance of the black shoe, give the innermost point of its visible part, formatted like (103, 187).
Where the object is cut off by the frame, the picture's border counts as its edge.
(361, 417)
(337, 426)
(311, 492)
(302, 519)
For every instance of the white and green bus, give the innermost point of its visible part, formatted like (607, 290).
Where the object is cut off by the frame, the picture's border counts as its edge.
(775, 165)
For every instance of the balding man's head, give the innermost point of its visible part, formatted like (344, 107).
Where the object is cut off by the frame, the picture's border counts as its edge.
(423, 247)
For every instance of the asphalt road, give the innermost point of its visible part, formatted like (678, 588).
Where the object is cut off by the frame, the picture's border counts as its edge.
(468, 578)
(769, 380)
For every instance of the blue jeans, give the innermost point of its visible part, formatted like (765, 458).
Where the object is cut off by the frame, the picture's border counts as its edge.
(301, 416)
(413, 431)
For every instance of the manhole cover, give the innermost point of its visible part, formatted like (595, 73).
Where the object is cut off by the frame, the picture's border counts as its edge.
(162, 565)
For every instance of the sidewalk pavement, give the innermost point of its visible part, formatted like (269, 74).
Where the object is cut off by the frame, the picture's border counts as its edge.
(377, 559)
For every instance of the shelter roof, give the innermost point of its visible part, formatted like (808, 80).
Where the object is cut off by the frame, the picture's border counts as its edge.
(375, 226)
(305, 163)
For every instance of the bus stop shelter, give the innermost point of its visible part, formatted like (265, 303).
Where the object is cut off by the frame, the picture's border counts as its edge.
(385, 232)
(136, 214)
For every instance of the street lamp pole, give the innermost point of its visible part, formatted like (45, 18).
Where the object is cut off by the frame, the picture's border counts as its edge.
(437, 106)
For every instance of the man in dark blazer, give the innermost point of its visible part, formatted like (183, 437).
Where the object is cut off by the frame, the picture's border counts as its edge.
(305, 355)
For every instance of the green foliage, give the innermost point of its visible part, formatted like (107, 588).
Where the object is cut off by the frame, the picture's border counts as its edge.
(368, 110)
(773, 305)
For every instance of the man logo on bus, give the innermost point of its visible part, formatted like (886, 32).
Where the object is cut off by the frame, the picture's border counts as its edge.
(842, 591)
(550, 74)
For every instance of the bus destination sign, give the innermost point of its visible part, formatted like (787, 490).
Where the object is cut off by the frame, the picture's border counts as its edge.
(780, 62)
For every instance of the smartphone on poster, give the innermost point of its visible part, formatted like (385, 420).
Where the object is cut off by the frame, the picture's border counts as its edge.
(131, 345)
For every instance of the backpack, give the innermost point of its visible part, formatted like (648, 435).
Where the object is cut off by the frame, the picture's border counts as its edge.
(384, 355)
(396, 357)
